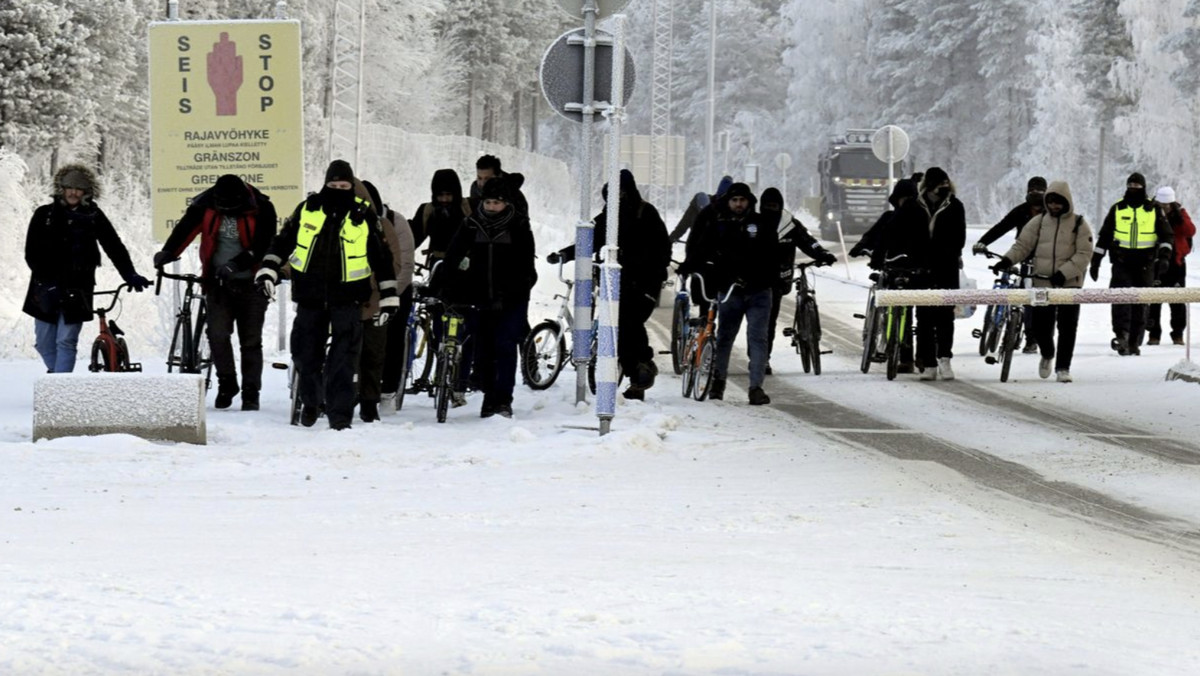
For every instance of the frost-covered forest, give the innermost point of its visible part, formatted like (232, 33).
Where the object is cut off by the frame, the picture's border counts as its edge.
(992, 90)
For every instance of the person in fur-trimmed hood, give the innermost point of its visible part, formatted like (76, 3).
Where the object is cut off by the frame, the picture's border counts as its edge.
(62, 249)
(1061, 244)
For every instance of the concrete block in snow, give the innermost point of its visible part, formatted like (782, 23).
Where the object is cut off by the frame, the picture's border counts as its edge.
(167, 407)
(1184, 370)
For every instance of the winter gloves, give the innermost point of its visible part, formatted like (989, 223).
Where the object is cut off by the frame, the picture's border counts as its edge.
(137, 282)
(1162, 263)
(265, 282)
(1095, 269)
(1058, 279)
(978, 248)
(825, 258)
(161, 258)
(388, 307)
(1001, 265)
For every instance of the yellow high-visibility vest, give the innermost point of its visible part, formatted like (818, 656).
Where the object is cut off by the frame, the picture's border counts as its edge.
(353, 239)
(1135, 228)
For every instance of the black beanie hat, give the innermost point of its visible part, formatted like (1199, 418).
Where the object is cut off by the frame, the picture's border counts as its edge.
(495, 189)
(905, 187)
(739, 190)
(772, 196)
(1135, 177)
(339, 170)
(229, 193)
(627, 182)
(1036, 184)
(934, 176)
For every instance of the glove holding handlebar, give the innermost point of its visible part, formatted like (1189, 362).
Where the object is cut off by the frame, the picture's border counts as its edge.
(825, 258)
(265, 282)
(978, 248)
(1001, 265)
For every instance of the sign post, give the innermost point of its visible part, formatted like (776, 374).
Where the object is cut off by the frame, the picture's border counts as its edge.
(573, 73)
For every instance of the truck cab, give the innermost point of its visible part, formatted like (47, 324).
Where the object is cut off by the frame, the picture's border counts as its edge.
(854, 184)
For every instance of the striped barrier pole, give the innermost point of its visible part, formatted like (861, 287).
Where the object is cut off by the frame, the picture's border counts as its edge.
(1036, 297)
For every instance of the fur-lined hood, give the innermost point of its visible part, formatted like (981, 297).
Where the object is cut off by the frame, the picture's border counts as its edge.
(88, 174)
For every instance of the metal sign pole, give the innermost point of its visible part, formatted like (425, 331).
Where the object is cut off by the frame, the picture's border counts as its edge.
(584, 231)
(610, 270)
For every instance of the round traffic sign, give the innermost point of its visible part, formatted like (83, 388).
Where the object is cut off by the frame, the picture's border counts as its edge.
(890, 142)
(562, 73)
(783, 161)
(603, 7)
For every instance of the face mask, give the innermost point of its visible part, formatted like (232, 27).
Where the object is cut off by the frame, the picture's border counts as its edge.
(337, 199)
(1135, 195)
(943, 192)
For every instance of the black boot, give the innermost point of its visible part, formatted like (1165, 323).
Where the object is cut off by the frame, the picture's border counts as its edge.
(249, 401)
(368, 411)
(226, 391)
(717, 389)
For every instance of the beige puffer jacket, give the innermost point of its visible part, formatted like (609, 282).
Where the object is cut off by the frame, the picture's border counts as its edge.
(1058, 244)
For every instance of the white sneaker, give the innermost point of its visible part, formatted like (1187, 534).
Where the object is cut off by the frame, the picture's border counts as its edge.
(1064, 376)
(929, 373)
(458, 399)
(1044, 368)
(943, 369)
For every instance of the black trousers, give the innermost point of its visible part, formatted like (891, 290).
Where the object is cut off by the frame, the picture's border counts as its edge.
(236, 304)
(1066, 317)
(633, 343)
(1176, 276)
(327, 377)
(394, 352)
(371, 360)
(495, 337)
(935, 334)
(1128, 319)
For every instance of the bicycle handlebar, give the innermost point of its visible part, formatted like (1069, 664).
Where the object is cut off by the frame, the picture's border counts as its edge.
(115, 293)
(161, 275)
(704, 292)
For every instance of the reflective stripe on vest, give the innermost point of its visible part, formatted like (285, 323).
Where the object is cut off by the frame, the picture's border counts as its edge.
(1134, 228)
(353, 239)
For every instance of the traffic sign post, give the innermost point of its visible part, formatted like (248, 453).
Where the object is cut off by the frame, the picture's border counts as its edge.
(571, 80)
(890, 144)
(783, 162)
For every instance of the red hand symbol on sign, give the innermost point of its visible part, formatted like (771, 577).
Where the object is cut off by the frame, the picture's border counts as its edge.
(225, 74)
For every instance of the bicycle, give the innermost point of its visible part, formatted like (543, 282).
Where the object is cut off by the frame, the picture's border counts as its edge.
(547, 347)
(887, 331)
(449, 357)
(109, 352)
(700, 350)
(805, 330)
(418, 346)
(189, 351)
(679, 321)
(1004, 325)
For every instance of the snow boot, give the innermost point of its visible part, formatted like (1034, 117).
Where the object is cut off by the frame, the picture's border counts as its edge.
(758, 397)
(716, 391)
(226, 391)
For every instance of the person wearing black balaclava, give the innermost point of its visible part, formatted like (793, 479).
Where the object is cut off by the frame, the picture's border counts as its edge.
(792, 235)
(1033, 205)
(333, 246)
(1138, 241)
(235, 223)
(489, 266)
(931, 232)
(437, 220)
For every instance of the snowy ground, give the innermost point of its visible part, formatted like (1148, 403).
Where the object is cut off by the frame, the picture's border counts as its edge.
(855, 526)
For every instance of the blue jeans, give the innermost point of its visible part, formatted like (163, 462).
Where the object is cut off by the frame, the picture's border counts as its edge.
(57, 344)
(755, 306)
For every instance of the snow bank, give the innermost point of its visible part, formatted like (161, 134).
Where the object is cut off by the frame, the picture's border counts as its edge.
(168, 407)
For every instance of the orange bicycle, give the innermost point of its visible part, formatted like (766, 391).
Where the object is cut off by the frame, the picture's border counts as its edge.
(700, 347)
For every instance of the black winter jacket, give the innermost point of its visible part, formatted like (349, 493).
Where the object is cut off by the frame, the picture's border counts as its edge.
(932, 238)
(62, 248)
(645, 250)
(489, 263)
(1013, 220)
(728, 249)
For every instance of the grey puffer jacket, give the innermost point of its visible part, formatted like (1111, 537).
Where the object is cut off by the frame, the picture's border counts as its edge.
(1060, 243)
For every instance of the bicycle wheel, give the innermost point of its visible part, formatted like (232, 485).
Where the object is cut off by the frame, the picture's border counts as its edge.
(424, 357)
(543, 353)
(294, 392)
(985, 333)
(893, 345)
(813, 335)
(179, 339)
(444, 382)
(202, 359)
(101, 357)
(798, 331)
(999, 330)
(405, 367)
(704, 369)
(122, 356)
(871, 327)
(688, 376)
(679, 333)
(1012, 338)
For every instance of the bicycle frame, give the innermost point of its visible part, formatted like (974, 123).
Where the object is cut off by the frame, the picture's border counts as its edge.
(109, 352)
(449, 358)
(805, 331)
(700, 354)
(188, 352)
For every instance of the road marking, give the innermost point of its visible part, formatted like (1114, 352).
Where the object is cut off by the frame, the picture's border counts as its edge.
(855, 430)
